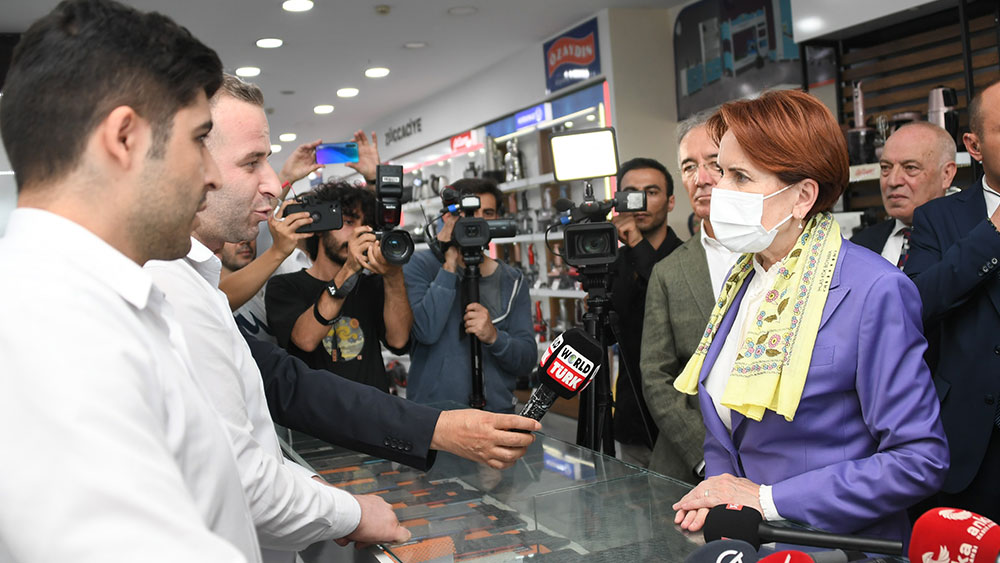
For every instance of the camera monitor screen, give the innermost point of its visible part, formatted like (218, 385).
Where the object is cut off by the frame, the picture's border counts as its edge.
(582, 155)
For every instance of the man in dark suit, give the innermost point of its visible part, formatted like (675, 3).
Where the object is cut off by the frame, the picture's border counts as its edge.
(918, 165)
(954, 262)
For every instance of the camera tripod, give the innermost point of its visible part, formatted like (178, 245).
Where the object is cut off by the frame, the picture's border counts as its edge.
(594, 424)
(470, 294)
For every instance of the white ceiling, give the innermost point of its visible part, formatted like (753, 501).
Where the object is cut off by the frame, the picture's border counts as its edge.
(330, 46)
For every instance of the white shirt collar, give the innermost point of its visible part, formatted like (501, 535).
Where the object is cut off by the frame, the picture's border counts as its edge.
(899, 226)
(56, 234)
(205, 262)
(988, 188)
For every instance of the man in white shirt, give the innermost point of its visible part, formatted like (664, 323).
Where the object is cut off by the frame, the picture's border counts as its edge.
(112, 452)
(918, 165)
(681, 292)
(290, 509)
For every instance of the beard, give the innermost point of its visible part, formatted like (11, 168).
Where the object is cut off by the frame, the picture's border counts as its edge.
(332, 248)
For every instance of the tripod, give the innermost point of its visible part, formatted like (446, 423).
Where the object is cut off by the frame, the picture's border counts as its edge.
(594, 427)
(470, 294)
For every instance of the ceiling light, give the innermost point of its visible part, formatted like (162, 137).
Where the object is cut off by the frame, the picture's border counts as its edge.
(347, 92)
(591, 117)
(377, 72)
(247, 71)
(441, 163)
(312, 176)
(482, 151)
(323, 109)
(809, 25)
(297, 5)
(415, 44)
(275, 149)
(471, 154)
(462, 10)
(270, 43)
(287, 137)
(568, 125)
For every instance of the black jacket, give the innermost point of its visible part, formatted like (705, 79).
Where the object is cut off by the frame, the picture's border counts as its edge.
(630, 278)
(874, 237)
(344, 412)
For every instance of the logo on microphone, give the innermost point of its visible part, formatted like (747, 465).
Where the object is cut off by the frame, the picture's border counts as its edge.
(954, 514)
(943, 556)
(570, 369)
(730, 556)
(552, 347)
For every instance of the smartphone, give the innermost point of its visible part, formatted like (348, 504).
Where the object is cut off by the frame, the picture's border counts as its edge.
(337, 153)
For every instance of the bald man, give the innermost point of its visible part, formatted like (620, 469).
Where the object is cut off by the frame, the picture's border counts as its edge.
(918, 165)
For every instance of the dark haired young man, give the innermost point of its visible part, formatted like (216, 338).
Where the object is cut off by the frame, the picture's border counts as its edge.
(104, 116)
(439, 367)
(647, 239)
(331, 315)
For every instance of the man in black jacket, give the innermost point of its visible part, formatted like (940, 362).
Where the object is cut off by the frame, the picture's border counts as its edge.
(647, 240)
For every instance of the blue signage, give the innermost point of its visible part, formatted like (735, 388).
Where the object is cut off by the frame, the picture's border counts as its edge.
(572, 57)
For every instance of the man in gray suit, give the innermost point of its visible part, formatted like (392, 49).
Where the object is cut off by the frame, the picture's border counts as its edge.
(682, 289)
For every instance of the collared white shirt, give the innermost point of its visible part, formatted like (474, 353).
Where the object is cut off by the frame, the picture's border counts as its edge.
(720, 260)
(992, 198)
(894, 244)
(718, 377)
(291, 510)
(110, 450)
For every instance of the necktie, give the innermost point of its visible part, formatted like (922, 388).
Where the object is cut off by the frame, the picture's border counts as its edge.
(904, 252)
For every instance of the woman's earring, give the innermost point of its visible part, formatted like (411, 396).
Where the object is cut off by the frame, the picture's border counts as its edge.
(801, 226)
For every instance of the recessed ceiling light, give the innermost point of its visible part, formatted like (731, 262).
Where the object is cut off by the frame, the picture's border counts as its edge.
(275, 149)
(441, 163)
(591, 117)
(568, 125)
(247, 71)
(415, 44)
(323, 109)
(463, 10)
(347, 92)
(269, 43)
(471, 154)
(287, 137)
(377, 72)
(297, 5)
(482, 151)
(810, 24)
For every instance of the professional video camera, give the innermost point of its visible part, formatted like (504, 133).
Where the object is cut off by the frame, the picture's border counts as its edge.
(590, 239)
(471, 234)
(326, 215)
(396, 244)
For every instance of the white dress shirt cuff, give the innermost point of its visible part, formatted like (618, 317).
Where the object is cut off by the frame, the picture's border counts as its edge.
(767, 503)
(304, 471)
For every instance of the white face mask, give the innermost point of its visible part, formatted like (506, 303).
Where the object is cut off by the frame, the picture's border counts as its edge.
(736, 220)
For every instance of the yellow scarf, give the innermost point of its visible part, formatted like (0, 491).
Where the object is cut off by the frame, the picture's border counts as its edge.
(773, 360)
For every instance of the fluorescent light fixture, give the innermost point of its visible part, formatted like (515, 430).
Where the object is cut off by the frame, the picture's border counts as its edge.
(323, 109)
(247, 71)
(275, 149)
(287, 137)
(269, 43)
(583, 155)
(377, 72)
(297, 5)
(810, 24)
(347, 92)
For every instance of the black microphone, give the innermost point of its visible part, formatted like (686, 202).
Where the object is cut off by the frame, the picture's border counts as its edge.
(567, 366)
(724, 551)
(735, 521)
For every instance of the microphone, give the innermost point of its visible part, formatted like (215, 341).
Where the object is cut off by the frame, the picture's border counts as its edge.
(952, 534)
(787, 557)
(835, 556)
(567, 366)
(735, 521)
(724, 551)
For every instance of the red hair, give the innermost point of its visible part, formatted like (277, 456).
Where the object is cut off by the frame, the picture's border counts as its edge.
(792, 135)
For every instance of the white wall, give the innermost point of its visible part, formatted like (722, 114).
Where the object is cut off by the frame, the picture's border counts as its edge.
(822, 17)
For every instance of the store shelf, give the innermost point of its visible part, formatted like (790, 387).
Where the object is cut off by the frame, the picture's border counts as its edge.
(560, 293)
(868, 172)
(527, 183)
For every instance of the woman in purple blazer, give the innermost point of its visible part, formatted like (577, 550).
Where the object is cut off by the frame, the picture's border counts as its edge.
(816, 399)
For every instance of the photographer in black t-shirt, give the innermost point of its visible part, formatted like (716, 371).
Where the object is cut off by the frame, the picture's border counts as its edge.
(332, 315)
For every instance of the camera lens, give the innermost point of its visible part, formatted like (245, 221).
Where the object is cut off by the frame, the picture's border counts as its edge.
(593, 243)
(397, 247)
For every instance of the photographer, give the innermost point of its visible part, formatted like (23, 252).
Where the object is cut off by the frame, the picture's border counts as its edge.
(330, 315)
(647, 239)
(440, 356)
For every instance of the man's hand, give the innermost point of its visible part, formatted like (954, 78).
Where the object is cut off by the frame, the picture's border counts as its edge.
(283, 228)
(367, 155)
(300, 163)
(444, 235)
(377, 263)
(484, 437)
(628, 233)
(477, 321)
(378, 524)
(357, 249)
(721, 489)
(453, 259)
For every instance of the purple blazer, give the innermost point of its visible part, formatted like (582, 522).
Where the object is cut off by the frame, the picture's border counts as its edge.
(866, 441)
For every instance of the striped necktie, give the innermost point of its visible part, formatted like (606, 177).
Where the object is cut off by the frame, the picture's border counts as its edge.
(904, 252)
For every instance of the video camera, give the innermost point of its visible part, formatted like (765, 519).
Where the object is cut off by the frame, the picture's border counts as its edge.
(471, 234)
(396, 244)
(589, 238)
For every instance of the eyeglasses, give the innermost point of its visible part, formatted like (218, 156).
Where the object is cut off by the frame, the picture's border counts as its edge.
(690, 170)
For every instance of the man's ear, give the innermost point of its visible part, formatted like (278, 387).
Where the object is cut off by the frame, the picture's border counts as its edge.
(971, 141)
(123, 137)
(948, 174)
(670, 204)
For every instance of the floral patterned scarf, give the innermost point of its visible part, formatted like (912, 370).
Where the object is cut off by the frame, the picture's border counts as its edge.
(773, 359)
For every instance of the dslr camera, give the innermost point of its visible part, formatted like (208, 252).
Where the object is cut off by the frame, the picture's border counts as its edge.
(590, 240)
(326, 215)
(396, 244)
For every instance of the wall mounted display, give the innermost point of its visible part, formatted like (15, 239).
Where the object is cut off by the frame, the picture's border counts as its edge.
(729, 50)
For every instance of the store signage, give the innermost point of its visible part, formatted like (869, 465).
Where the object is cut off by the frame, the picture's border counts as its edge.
(572, 57)
(394, 134)
(530, 116)
(463, 142)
